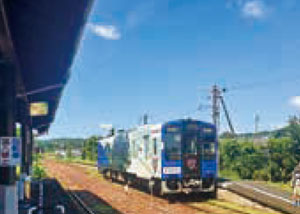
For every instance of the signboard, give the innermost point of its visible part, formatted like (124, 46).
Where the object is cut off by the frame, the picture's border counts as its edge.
(173, 129)
(172, 170)
(208, 130)
(10, 151)
(38, 109)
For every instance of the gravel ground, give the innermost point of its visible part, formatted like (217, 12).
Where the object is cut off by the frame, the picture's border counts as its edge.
(106, 197)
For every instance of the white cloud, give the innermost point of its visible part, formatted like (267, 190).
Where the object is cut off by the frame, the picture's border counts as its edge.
(254, 9)
(109, 32)
(295, 101)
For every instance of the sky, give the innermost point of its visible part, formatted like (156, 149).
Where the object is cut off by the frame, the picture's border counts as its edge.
(161, 57)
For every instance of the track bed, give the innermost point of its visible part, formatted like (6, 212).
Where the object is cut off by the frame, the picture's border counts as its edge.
(105, 194)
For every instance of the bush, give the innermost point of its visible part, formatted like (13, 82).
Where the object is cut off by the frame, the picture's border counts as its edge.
(272, 161)
(38, 172)
(261, 175)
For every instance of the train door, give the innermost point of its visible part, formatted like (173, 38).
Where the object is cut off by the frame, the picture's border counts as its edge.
(191, 155)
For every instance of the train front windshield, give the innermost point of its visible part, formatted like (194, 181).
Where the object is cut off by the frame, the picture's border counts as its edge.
(191, 144)
(173, 145)
(199, 142)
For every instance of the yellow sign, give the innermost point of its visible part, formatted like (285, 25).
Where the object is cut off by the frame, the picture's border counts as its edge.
(38, 109)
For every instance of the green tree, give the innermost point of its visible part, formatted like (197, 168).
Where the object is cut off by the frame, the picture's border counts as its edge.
(282, 158)
(229, 152)
(251, 159)
(91, 148)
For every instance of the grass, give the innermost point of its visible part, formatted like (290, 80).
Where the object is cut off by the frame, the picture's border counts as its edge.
(281, 186)
(71, 160)
(233, 176)
(87, 162)
(229, 174)
(236, 207)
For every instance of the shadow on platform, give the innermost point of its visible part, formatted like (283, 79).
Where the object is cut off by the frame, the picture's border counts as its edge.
(95, 203)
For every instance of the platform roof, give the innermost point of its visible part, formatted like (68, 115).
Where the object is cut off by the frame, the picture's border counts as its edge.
(41, 37)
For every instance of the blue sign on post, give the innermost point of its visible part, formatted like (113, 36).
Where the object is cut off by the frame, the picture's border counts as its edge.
(10, 151)
(16, 151)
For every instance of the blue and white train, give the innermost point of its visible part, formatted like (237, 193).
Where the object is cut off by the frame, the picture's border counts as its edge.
(175, 157)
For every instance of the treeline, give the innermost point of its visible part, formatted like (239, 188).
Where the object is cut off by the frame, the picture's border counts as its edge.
(274, 159)
(87, 147)
(53, 145)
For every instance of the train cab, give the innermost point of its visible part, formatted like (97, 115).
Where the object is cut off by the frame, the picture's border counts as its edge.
(189, 157)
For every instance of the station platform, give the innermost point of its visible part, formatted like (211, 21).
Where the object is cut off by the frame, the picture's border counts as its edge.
(47, 195)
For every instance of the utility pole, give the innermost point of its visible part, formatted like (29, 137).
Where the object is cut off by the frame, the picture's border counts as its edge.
(218, 99)
(216, 93)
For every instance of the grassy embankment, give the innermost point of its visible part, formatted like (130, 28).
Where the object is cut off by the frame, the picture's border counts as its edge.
(277, 185)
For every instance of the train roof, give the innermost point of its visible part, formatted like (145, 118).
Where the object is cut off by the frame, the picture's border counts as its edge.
(107, 138)
(185, 121)
(171, 122)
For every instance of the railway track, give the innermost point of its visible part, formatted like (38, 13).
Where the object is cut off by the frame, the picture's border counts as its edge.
(262, 197)
(217, 207)
(246, 192)
(134, 201)
(80, 203)
(205, 205)
(243, 192)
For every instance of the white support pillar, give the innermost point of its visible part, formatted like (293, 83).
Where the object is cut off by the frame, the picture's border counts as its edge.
(8, 204)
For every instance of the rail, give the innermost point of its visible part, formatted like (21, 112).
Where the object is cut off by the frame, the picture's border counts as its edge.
(262, 197)
(77, 200)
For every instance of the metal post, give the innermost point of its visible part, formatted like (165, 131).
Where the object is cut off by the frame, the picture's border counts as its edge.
(24, 161)
(41, 198)
(30, 152)
(216, 106)
(25, 130)
(8, 193)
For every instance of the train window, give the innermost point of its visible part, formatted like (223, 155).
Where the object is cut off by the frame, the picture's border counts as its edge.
(191, 145)
(146, 145)
(173, 146)
(209, 149)
(155, 146)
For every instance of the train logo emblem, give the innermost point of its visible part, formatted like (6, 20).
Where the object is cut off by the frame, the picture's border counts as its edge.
(191, 163)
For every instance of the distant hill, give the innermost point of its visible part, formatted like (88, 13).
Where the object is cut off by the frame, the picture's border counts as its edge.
(60, 143)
